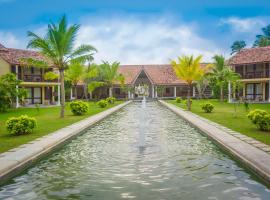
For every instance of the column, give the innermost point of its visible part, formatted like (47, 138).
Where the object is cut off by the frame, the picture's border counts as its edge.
(194, 91)
(129, 95)
(244, 91)
(43, 95)
(53, 98)
(156, 95)
(153, 91)
(229, 92)
(58, 93)
(174, 91)
(263, 90)
(17, 88)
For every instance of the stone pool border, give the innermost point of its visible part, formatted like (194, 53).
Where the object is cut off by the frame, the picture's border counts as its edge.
(18, 159)
(254, 158)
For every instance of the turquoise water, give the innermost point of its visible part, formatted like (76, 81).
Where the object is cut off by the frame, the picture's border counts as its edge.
(175, 162)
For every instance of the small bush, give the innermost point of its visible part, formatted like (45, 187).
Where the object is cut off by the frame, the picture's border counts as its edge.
(21, 125)
(207, 107)
(260, 118)
(102, 103)
(178, 100)
(110, 100)
(78, 107)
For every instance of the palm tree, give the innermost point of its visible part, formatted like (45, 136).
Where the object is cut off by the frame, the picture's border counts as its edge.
(58, 47)
(75, 74)
(110, 75)
(222, 74)
(263, 40)
(189, 70)
(237, 46)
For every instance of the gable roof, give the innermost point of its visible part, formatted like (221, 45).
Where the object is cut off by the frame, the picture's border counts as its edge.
(250, 56)
(161, 74)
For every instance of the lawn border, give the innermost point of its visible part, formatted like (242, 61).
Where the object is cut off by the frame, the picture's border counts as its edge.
(20, 158)
(253, 158)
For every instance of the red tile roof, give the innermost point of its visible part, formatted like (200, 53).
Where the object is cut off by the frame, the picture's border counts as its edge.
(252, 55)
(14, 56)
(157, 74)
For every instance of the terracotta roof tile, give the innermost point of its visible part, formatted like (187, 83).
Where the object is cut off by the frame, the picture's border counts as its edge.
(14, 56)
(252, 55)
(158, 74)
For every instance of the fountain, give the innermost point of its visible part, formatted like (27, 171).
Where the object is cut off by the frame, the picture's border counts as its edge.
(142, 91)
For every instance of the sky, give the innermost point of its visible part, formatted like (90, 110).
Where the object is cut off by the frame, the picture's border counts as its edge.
(141, 31)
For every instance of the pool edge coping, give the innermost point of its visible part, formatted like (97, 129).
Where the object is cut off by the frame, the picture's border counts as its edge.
(20, 158)
(255, 159)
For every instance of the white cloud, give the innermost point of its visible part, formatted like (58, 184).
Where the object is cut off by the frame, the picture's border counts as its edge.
(8, 39)
(136, 41)
(244, 24)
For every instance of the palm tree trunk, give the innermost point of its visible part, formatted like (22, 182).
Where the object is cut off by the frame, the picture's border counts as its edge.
(111, 91)
(75, 92)
(62, 93)
(221, 94)
(188, 97)
(85, 91)
(90, 95)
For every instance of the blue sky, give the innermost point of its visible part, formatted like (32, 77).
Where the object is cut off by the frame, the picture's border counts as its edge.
(141, 31)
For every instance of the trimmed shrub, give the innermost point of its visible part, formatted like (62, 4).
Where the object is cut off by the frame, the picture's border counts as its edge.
(78, 107)
(207, 107)
(110, 100)
(178, 100)
(21, 125)
(102, 103)
(260, 118)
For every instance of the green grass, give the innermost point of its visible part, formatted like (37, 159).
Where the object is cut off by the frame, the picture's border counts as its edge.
(225, 115)
(48, 121)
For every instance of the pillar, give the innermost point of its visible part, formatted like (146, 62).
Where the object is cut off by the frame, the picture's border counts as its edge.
(229, 92)
(174, 91)
(156, 94)
(244, 91)
(194, 91)
(263, 90)
(129, 96)
(43, 95)
(53, 98)
(153, 91)
(58, 93)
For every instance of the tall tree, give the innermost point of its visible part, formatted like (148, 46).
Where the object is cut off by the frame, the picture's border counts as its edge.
(222, 74)
(57, 46)
(263, 40)
(110, 75)
(189, 69)
(237, 46)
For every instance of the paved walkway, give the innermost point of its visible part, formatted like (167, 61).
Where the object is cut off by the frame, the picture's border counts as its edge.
(253, 154)
(17, 159)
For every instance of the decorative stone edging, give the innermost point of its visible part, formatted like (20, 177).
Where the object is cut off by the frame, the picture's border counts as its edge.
(253, 154)
(16, 160)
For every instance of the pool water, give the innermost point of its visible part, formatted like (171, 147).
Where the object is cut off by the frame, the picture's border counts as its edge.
(111, 160)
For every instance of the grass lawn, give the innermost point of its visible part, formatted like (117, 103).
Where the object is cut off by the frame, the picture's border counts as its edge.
(224, 114)
(48, 121)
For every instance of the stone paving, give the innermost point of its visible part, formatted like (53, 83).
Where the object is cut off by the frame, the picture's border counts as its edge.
(15, 160)
(252, 153)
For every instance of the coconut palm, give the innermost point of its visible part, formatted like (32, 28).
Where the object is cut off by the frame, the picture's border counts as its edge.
(57, 46)
(222, 74)
(263, 40)
(188, 69)
(75, 74)
(237, 46)
(110, 75)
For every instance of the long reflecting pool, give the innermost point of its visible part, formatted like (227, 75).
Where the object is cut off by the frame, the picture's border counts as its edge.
(137, 153)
